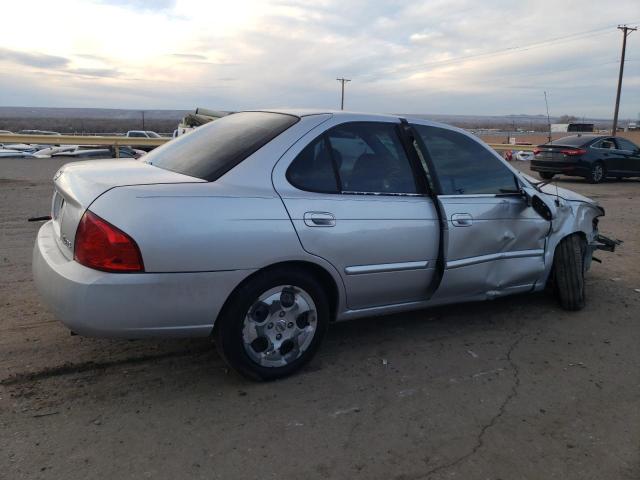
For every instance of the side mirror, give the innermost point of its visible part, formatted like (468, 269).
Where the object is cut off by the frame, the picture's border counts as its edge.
(541, 208)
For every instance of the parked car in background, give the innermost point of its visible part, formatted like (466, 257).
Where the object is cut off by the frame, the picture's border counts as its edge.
(37, 132)
(262, 228)
(519, 155)
(142, 134)
(9, 153)
(594, 157)
(100, 152)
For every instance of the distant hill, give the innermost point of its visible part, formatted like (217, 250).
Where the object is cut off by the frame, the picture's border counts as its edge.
(88, 120)
(112, 120)
(106, 113)
(503, 122)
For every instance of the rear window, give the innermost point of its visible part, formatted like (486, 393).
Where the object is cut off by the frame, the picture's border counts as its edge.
(213, 149)
(572, 141)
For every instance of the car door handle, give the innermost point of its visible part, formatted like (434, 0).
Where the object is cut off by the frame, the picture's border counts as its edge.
(462, 219)
(319, 219)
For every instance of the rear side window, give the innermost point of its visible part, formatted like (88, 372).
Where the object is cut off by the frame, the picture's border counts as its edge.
(606, 143)
(370, 158)
(213, 149)
(312, 170)
(462, 165)
(358, 157)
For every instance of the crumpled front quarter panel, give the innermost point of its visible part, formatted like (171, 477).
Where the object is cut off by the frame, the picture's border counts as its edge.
(571, 217)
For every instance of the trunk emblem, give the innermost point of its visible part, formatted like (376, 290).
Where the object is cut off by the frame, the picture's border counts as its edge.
(66, 241)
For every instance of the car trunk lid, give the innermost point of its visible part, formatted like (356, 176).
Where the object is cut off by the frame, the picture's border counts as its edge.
(557, 153)
(77, 185)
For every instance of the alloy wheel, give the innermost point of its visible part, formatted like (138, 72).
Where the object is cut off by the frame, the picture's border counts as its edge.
(597, 173)
(279, 326)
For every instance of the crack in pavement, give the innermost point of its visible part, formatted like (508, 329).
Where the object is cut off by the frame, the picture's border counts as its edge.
(480, 438)
(71, 368)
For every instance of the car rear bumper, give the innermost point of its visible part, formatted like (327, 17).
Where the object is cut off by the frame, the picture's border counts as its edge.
(95, 303)
(566, 168)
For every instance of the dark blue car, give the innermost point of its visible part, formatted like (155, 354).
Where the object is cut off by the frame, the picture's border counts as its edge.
(593, 157)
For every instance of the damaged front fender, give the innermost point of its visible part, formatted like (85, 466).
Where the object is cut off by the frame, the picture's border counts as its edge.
(570, 213)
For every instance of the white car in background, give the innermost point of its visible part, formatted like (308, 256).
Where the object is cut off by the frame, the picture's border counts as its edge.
(523, 155)
(142, 134)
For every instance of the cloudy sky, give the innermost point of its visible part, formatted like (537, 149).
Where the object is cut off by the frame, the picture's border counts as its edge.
(435, 56)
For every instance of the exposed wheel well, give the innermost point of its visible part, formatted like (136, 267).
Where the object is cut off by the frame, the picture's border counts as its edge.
(579, 233)
(319, 272)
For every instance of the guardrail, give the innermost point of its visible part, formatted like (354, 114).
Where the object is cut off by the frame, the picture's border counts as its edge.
(116, 141)
(111, 141)
(508, 146)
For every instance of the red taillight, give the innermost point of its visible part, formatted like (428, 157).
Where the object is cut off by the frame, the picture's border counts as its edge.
(102, 246)
(536, 151)
(574, 152)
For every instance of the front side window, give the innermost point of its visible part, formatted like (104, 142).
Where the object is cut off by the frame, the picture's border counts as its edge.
(624, 144)
(359, 157)
(462, 165)
(137, 135)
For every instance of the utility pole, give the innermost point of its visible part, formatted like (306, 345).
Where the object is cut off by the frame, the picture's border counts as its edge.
(142, 119)
(548, 119)
(626, 31)
(342, 81)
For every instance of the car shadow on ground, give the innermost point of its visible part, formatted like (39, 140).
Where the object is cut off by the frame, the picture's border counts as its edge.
(347, 348)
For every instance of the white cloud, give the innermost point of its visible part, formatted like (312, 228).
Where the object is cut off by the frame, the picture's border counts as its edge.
(441, 56)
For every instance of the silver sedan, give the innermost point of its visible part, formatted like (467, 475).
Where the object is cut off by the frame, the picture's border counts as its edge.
(262, 228)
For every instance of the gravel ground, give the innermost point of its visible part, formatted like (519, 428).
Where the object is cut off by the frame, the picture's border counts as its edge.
(515, 388)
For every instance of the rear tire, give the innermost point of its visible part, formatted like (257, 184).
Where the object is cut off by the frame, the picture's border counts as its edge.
(247, 338)
(568, 269)
(598, 173)
(546, 175)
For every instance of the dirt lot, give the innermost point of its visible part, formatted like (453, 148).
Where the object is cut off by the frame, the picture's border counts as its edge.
(510, 389)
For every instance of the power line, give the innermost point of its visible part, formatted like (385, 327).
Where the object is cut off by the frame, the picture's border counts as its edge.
(626, 31)
(564, 38)
(342, 81)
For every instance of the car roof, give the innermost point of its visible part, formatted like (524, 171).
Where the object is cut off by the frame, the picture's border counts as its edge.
(355, 116)
(572, 140)
(305, 112)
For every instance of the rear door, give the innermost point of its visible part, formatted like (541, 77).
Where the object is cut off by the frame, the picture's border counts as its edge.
(606, 152)
(352, 195)
(494, 242)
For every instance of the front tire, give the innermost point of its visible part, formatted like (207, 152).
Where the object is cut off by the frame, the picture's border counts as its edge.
(597, 174)
(273, 324)
(568, 269)
(546, 175)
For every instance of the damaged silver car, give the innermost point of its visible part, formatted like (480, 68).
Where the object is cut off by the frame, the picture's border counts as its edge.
(262, 228)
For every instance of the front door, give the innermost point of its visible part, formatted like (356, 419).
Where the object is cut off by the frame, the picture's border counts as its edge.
(353, 199)
(494, 242)
(629, 157)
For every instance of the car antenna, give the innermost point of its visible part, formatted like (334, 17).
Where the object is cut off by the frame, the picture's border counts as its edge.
(557, 194)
